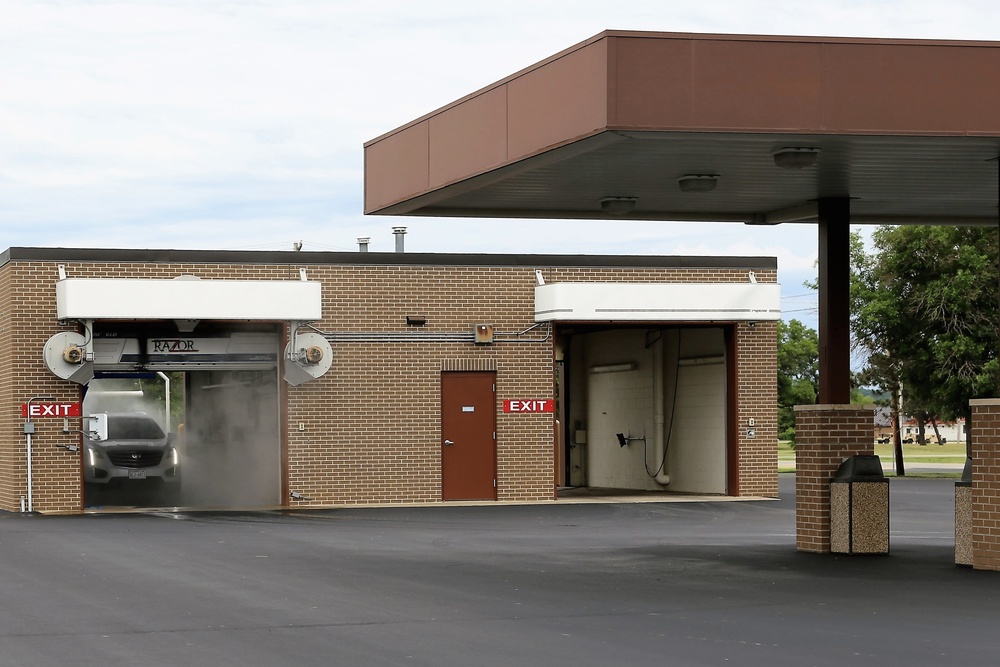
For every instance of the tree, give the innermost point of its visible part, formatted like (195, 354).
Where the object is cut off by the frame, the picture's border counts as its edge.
(876, 324)
(925, 309)
(798, 372)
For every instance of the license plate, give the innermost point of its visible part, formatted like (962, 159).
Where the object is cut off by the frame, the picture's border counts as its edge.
(137, 474)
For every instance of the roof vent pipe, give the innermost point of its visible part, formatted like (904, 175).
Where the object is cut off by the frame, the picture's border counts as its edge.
(399, 232)
(363, 243)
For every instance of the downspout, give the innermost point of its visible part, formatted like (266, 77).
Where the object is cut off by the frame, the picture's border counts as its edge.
(29, 429)
(28, 436)
(659, 441)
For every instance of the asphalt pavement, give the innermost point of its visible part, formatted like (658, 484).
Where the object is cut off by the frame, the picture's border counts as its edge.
(614, 583)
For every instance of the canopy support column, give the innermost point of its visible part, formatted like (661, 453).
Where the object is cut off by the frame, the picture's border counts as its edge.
(834, 300)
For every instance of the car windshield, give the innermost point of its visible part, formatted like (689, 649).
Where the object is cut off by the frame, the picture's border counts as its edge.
(133, 428)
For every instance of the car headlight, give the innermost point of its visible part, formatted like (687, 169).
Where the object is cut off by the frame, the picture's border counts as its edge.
(94, 454)
(175, 457)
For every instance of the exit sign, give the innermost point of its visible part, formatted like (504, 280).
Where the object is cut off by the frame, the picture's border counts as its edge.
(529, 405)
(51, 410)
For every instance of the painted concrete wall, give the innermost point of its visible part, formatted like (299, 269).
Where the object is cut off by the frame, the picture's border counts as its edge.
(618, 402)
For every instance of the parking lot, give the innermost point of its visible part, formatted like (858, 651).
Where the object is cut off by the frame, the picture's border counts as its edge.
(688, 584)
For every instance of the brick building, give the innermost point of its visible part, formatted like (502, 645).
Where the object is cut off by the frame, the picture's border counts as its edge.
(435, 376)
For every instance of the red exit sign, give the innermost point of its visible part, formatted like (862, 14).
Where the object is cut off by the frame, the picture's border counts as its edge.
(529, 405)
(51, 410)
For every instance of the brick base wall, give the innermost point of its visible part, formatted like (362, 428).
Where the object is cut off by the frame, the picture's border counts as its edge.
(824, 435)
(986, 484)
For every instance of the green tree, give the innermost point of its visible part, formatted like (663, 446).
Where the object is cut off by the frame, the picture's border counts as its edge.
(925, 310)
(877, 324)
(798, 372)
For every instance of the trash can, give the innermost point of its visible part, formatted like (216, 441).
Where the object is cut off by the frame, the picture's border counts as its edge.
(963, 516)
(859, 507)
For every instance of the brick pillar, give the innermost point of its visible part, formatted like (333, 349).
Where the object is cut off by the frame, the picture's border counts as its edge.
(825, 435)
(985, 429)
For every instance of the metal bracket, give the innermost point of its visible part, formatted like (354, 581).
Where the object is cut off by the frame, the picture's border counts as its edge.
(625, 439)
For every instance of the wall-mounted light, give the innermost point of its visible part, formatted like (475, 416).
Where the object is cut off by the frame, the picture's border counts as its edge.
(483, 333)
(795, 157)
(614, 368)
(415, 320)
(698, 182)
(618, 205)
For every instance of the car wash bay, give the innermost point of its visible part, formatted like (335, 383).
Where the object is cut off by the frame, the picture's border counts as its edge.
(223, 422)
(224, 447)
(647, 408)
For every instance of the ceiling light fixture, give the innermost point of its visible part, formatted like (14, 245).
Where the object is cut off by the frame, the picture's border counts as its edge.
(618, 205)
(795, 157)
(623, 367)
(698, 182)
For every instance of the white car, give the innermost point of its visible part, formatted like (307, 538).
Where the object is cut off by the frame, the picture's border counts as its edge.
(136, 449)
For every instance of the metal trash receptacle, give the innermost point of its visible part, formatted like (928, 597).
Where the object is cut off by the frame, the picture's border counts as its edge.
(859, 507)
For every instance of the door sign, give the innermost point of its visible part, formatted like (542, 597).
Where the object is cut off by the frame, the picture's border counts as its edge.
(530, 405)
(51, 410)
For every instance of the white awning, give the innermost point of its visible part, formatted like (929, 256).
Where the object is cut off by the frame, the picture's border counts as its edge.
(188, 299)
(653, 302)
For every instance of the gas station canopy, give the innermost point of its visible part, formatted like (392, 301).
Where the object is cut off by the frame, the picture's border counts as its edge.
(738, 128)
(665, 126)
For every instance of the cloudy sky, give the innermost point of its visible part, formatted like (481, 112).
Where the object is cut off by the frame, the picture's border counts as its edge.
(239, 124)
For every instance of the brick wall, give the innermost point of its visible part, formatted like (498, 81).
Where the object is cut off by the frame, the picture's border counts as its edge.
(986, 484)
(370, 428)
(825, 435)
(11, 451)
(29, 319)
(757, 396)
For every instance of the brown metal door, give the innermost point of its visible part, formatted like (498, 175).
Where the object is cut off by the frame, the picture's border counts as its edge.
(468, 436)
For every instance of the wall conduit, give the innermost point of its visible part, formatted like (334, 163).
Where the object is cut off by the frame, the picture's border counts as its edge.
(660, 476)
(434, 336)
(661, 429)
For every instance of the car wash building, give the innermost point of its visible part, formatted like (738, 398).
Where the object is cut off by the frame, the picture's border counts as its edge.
(323, 379)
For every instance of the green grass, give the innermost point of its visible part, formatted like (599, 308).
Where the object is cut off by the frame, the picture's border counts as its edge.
(952, 452)
(942, 474)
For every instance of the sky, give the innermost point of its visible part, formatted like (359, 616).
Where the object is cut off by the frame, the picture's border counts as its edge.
(216, 124)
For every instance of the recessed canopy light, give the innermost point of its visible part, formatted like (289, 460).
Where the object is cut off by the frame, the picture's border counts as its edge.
(795, 157)
(618, 205)
(698, 182)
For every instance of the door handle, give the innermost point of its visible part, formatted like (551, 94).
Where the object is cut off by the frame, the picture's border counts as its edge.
(449, 442)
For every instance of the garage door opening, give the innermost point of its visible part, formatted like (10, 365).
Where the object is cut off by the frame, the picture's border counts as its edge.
(645, 409)
(193, 419)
